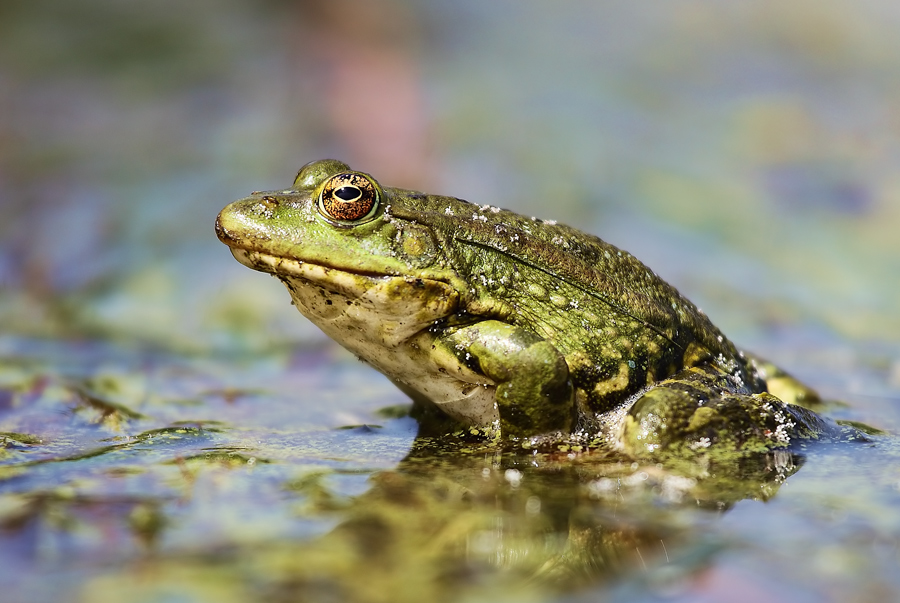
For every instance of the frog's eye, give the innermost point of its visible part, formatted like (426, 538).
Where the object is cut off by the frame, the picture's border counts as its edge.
(349, 197)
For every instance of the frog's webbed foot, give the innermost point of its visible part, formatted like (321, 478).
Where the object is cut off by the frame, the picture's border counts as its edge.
(691, 415)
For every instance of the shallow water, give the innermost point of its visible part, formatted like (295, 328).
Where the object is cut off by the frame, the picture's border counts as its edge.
(172, 430)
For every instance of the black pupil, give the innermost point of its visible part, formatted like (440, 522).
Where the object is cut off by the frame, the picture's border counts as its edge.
(348, 193)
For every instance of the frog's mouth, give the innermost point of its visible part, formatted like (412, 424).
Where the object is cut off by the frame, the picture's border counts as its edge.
(380, 288)
(288, 267)
(337, 279)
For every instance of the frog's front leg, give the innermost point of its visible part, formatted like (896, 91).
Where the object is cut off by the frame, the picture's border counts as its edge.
(534, 393)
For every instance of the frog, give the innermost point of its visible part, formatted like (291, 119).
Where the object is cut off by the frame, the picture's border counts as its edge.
(512, 328)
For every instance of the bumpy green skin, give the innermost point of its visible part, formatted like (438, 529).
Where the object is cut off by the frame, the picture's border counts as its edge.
(524, 328)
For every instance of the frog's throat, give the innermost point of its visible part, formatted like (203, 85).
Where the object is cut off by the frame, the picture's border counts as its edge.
(387, 324)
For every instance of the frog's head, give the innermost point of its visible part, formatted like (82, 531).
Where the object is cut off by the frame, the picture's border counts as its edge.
(331, 216)
(334, 229)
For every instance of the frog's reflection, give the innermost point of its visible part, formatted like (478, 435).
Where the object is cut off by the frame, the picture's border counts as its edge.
(466, 516)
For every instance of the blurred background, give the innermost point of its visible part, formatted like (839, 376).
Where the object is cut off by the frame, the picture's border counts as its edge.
(158, 397)
(748, 153)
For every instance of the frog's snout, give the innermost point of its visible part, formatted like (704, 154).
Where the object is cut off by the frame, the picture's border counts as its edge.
(221, 231)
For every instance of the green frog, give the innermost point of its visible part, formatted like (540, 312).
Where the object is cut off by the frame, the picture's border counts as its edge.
(518, 329)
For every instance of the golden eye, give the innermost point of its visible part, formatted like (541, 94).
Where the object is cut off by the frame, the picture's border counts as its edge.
(348, 197)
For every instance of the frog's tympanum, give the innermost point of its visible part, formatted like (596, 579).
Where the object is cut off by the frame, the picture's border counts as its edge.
(521, 329)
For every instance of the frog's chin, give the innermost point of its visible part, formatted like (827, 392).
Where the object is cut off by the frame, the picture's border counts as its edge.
(350, 284)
